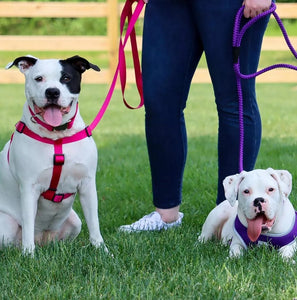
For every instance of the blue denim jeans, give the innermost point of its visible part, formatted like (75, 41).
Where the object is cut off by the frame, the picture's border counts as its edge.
(176, 33)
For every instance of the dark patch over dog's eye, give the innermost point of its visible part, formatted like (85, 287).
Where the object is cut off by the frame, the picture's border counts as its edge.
(38, 78)
(65, 78)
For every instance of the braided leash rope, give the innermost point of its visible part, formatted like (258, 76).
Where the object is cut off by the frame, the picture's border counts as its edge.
(238, 34)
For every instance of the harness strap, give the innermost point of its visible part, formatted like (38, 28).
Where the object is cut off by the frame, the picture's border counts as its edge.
(58, 162)
(58, 158)
(275, 240)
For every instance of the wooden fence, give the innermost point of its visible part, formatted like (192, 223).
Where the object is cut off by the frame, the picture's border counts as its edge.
(111, 10)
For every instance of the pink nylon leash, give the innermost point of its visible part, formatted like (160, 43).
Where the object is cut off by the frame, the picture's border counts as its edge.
(121, 67)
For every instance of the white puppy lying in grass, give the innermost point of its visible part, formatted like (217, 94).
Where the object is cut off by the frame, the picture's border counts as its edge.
(257, 211)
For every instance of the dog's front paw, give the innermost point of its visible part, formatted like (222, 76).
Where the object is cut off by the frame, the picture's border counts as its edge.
(99, 244)
(235, 251)
(287, 252)
(201, 238)
(29, 251)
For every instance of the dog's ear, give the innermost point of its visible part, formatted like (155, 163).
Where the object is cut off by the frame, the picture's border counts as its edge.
(283, 179)
(81, 64)
(231, 184)
(23, 63)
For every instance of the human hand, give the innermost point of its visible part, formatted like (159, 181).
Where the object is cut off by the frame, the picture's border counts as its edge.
(255, 7)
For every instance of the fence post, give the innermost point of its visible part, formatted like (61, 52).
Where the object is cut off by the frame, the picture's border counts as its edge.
(113, 34)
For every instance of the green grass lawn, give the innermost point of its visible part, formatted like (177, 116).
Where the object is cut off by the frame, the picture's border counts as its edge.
(163, 265)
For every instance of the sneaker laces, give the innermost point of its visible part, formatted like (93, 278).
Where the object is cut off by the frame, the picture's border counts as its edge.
(151, 221)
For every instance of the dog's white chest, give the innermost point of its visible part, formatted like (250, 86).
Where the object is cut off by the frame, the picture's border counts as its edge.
(33, 161)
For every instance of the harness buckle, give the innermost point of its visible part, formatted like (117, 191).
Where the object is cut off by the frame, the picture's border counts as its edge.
(58, 198)
(59, 159)
(20, 126)
(88, 131)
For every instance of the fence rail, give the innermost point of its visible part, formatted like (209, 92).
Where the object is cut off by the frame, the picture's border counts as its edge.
(109, 43)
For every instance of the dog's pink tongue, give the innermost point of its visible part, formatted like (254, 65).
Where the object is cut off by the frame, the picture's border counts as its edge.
(255, 227)
(53, 116)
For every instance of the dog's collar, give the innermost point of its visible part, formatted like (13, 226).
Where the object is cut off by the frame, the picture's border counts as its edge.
(275, 240)
(21, 127)
(67, 125)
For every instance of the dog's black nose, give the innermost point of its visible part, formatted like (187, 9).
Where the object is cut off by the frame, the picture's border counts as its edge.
(52, 94)
(258, 201)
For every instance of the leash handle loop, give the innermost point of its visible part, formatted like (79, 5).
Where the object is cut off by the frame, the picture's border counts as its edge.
(239, 33)
(237, 37)
(132, 18)
(121, 67)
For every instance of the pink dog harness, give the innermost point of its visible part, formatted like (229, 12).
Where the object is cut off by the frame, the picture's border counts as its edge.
(58, 158)
(275, 240)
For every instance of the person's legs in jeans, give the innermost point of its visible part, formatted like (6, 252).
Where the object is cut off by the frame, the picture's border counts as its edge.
(169, 59)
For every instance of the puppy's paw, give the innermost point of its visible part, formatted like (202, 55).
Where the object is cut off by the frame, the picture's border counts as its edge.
(202, 237)
(235, 251)
(288, 259)
(287, 252)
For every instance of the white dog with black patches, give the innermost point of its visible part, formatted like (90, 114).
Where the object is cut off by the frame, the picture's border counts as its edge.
(50, 158)
(257, 210)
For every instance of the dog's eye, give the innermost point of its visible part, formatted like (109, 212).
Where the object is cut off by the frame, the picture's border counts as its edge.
(270, 189)
(246, 191)
(38, 78)
(65, 78)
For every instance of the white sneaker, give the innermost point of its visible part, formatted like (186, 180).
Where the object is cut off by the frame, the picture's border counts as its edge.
(151, 222)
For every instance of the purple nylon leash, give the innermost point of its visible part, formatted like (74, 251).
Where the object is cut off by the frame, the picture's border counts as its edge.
(238, 34)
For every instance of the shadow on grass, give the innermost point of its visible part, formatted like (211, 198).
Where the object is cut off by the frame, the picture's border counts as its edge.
(124, 183)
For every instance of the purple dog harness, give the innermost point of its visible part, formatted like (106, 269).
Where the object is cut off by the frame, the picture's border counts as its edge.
(275, 240)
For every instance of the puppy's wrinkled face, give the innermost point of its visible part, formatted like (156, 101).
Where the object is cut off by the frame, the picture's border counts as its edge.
(52, 89)
(258, 192)
(261, 195)
(259, 199)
